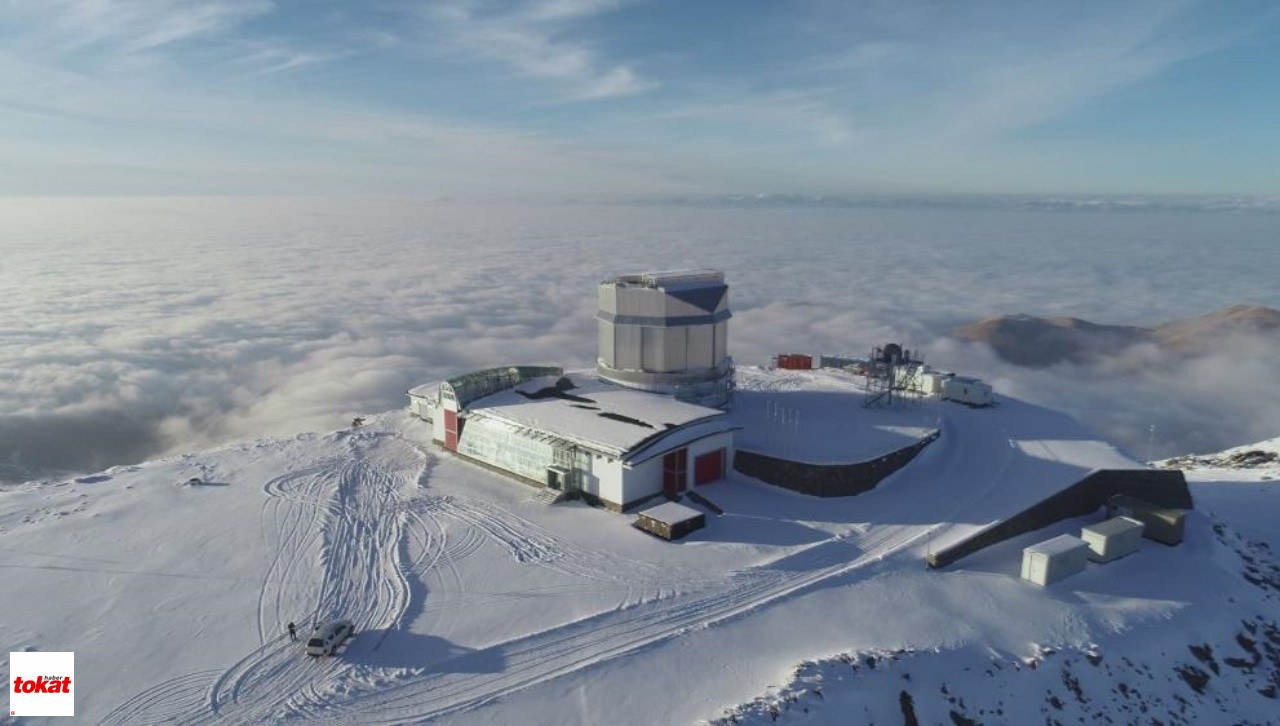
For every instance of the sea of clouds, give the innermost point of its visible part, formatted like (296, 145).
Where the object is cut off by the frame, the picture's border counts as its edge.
(134, 328)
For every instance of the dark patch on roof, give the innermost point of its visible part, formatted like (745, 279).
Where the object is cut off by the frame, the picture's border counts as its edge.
(703, 298)
(589, 408)
(624, 419)
(556, 391)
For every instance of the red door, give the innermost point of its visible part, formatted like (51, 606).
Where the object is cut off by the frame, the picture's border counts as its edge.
(708, 467)
(675, 472)
(451, 430)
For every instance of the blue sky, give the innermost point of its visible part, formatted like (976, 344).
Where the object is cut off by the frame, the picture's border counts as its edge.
(626, 98)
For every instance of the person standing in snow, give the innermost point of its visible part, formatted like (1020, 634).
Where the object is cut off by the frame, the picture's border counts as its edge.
(293, 632)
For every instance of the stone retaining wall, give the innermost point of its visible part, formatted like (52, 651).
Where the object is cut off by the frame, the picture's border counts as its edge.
(826, 480)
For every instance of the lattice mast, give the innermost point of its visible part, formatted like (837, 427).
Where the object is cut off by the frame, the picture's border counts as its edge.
(891, 371)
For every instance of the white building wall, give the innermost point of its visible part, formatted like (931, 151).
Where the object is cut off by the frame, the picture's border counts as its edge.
(674, 345)
(642, 301)
(627, 345)
(652, 340)
(606, 351)
(420, 407)
(436, 414)
(701, 346)
(601, 477)
(931, 383)
(645, 478)
(437, 426)
(722, 340)
(642, 480)
(608, 299)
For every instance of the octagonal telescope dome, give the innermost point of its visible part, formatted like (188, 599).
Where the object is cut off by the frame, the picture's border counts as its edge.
(667, 332)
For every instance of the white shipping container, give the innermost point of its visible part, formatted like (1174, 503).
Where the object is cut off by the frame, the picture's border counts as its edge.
(967, 390)
(1112, 539)
(1052, 560)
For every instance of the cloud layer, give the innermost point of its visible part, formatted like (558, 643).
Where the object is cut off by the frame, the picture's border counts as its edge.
(141, 327)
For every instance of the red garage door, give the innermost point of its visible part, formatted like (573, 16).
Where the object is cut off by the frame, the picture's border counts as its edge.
(451, 430)
(708, 467)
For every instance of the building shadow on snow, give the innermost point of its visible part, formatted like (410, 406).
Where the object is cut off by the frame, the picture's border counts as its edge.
(755, 530)
(401, 649)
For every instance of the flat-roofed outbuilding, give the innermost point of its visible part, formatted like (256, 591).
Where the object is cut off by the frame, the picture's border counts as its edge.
(670, 520)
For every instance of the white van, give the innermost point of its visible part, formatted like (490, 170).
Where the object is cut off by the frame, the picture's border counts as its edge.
(326, 638)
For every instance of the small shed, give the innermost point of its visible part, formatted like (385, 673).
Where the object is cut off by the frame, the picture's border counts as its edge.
(1160, 524)
(1054, 559)
(670, 520)
(795, 361)
(971, 391)
(1112, 539)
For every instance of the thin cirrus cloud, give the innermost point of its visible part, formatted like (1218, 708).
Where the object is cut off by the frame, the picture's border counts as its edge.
(143, 327)
(528, 40)
(822, 97)
(122, 27)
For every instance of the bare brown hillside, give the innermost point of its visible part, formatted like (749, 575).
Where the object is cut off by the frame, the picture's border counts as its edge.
(1036, 342)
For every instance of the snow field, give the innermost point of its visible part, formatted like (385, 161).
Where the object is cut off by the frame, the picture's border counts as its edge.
(474, 603)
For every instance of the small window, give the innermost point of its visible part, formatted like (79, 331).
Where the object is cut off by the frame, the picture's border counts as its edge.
(315, 643)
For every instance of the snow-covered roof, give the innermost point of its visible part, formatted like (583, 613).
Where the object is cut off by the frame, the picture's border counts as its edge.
(1061, 544)
(426, 390)
(670, 513)
(681, 437)
(1114, 526)
(670, 279)
(602, 416)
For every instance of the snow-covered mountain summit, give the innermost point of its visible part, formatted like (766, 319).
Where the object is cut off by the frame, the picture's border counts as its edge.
(474, 602)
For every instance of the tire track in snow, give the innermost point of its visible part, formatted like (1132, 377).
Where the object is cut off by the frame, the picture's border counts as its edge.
(363, 582)
(527, 661)
(527, 542)
(177, 700)
(445, 571)
(566, 649)
(354, 508)
(295, 506)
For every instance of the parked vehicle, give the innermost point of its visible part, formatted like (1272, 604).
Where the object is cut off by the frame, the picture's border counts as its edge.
(326, 637)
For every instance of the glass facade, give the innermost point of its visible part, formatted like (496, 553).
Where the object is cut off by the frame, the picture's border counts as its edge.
(508, 447)
(520, 450)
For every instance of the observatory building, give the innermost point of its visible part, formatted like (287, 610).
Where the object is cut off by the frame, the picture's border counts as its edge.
(647, 422)
(667, 332)
(576, 434)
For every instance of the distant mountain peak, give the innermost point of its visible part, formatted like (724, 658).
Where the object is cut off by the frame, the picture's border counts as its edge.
(1037, 342)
